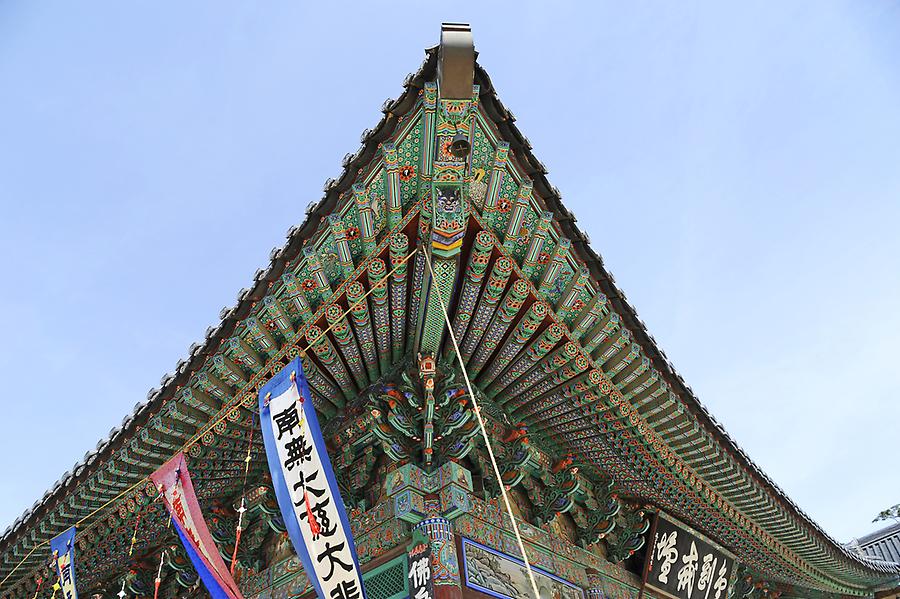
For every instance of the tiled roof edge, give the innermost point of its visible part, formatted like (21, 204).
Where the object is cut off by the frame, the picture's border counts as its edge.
(297, 235)
(535, 169)
(879, 535)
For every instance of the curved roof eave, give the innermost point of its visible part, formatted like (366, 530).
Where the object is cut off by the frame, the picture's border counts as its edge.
(519, 143)
(230, 316)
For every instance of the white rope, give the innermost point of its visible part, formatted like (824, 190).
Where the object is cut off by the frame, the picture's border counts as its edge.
(484, 433)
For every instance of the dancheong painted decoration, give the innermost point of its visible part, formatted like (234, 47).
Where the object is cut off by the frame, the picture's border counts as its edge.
(549, 420)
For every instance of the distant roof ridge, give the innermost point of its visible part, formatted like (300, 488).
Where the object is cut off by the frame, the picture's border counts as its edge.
(881, 533)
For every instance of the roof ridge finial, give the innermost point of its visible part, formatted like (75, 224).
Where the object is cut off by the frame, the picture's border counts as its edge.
(456, 64)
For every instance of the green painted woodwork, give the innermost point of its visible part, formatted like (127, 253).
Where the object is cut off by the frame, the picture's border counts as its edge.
(387, 581)
(581, 409)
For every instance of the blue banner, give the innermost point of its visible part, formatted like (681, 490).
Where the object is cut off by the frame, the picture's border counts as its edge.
(63, 548)
(206, 575)
(305, 487)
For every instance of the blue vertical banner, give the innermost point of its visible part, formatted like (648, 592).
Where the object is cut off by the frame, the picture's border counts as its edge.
(306, 488)
(63, 548)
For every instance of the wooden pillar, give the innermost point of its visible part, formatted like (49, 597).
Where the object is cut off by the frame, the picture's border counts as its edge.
(444, 560)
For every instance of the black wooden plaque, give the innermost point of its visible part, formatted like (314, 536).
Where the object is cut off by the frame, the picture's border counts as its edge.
(683, 564)
(420, 584)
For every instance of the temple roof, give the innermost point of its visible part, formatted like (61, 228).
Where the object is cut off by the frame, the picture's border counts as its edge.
(882, 544)
(645, 427)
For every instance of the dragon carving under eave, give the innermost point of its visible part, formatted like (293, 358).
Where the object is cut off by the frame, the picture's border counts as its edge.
(629, 533)
(749, 586)
(426, 421)
(596, 518)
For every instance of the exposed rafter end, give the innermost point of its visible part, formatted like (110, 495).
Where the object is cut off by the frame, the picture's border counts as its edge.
(456, 66)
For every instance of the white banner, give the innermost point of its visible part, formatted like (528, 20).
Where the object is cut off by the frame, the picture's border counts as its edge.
(307, 491)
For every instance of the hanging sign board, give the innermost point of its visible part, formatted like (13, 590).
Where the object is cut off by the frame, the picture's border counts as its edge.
(683, 564)
(418, 558)
(305, 487)
(63, 548)
(174, 483)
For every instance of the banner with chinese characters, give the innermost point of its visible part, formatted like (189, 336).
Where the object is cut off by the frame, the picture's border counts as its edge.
(305, 486)
(174, 483)
(63, 548)
(419, 561)
(683, 564)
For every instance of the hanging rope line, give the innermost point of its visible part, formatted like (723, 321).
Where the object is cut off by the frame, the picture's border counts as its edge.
(134, 536)
(484, 433)
(40, 583)
(243, 508)
(158, 581)
(226, 409)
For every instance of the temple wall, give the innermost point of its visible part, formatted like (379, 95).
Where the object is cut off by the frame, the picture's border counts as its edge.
(487, 524)
(484, 553)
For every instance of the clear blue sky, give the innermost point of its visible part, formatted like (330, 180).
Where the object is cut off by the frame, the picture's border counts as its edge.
(738, 168)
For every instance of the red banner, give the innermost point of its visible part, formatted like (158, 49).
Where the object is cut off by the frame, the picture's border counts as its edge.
(174, 483)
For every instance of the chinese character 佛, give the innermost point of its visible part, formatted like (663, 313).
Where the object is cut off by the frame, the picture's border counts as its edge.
(419, 572)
